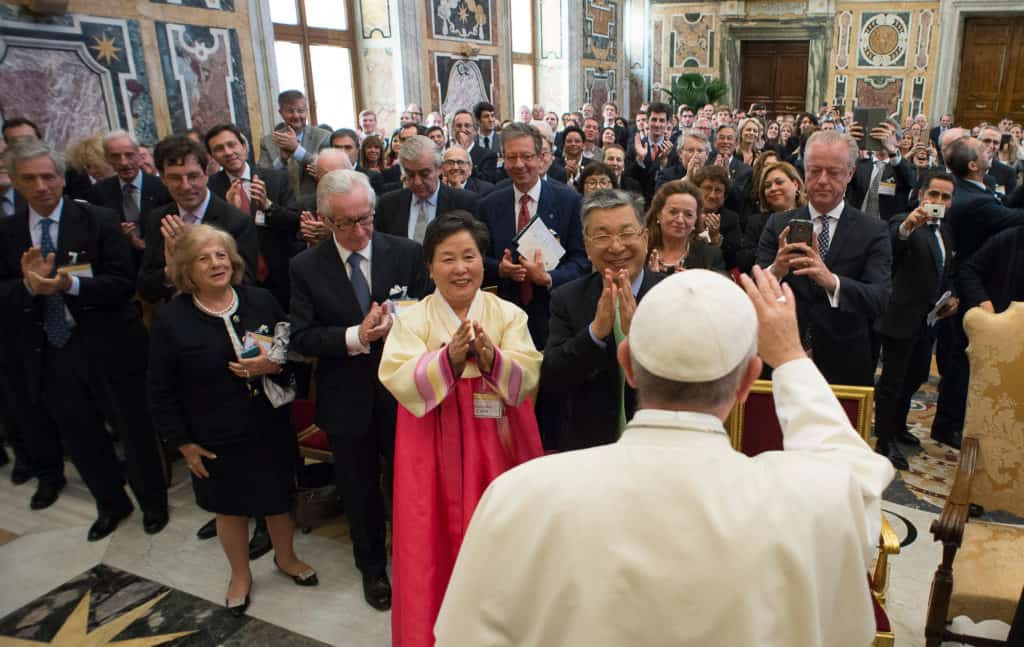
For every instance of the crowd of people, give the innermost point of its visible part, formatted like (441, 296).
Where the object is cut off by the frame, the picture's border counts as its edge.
(178, 297)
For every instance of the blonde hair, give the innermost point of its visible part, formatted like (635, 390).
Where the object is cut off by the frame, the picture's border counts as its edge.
(191, 244)
(86, 152)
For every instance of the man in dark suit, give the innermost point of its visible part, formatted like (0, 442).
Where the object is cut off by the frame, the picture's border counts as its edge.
(339, 314)
(525, 281)
(648, 154)
(1004, 177)
(348, 141)
(392, 176)
(131, 193)
(975, 216)
(883, 180)
(994, 277)
(551, 168)
(456, 167)
(487, 137)
(266, 197)
(945, 123)
(182, 163)
(921, 261)
(407, 212)
(66, 282)
(580, 365)
(485, 162)
(293, 144)
(842, 281)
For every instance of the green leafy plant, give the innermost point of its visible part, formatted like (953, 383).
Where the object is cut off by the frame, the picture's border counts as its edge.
(695, 91)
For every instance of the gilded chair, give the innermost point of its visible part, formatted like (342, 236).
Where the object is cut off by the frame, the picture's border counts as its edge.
(753, 428)
(982, 568)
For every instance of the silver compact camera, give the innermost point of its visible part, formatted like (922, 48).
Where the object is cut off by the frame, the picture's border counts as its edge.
(935, 212)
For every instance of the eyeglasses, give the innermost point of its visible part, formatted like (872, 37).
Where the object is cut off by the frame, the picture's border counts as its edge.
(626, 237)
(596, 183)
(362, 221)
(456, 163)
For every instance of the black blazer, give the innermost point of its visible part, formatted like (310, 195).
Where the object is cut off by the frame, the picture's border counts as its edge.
(702, 256)
(888, 205)
(279, 236)
(105, 319)
(581, 374)
(219, 214)
(323, 305)
(485, 163)
(1005, 177)
(975, 216)
(994, 273)
(392, 212)
(193, 396)
(861, 256)
(920, 273)
(108, 194)
(477, 186)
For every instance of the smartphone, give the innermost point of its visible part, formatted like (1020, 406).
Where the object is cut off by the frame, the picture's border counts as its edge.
(800, 231)
(1005, 140)
(249, 353)
(936, 212)
(869, 118)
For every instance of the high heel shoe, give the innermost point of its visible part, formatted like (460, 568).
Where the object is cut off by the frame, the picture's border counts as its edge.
(305, 578)
(238, 607)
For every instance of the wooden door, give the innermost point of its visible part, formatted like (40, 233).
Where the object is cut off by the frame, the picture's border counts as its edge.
(774, 72)
(991, 71)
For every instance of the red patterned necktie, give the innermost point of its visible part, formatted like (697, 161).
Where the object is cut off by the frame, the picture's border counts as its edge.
(526, 288)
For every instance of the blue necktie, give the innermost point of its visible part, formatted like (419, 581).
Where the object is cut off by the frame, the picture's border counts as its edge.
(358, 280)
(55, 325)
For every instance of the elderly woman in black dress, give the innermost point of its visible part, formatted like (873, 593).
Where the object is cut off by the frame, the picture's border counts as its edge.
(208, 398)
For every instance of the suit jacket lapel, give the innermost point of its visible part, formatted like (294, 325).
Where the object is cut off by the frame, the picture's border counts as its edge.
(544, 203)
(444, 200)
(404, 205)
(334, 273)
(72, 232)
(215, 211)
(23, 237)
(380, 269)
(844, 228)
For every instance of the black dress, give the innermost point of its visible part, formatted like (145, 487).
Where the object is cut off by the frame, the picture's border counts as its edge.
(194, 398)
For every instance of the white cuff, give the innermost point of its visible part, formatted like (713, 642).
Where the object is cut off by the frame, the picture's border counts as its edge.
(833, 299)
(352, 343)
(76, 286)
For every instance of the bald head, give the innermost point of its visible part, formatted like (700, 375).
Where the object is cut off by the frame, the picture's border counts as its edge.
(332, 159)
(951, 135)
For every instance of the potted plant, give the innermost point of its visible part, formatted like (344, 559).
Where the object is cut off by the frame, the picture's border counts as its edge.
(693, 90)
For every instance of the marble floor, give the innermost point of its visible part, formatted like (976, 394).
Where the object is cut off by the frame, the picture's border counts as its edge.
(42, 553)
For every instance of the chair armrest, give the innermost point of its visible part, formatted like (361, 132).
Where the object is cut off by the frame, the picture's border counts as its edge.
(889, 542)
(949, 526)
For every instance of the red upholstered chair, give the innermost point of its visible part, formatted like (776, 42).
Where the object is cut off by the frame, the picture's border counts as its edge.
(313, 443)
(754, 428)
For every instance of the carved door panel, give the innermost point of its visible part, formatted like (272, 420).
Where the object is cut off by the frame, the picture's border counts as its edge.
(991, 74)
(774, 73)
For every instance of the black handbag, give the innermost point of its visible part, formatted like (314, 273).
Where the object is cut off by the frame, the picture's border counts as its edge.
(316, 500)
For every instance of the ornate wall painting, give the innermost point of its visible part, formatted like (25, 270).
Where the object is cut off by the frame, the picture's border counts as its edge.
(464, 20)
(883, 40)
(656, 49)
(880, 92)
(599, 86)
(203, 74)
(839, 98)
(925, 22)
(917, 96)
(75, 75)
(376, 15)
(462, 82)
(844, 26)
(600, 29)
(692, 41)
(217, 5)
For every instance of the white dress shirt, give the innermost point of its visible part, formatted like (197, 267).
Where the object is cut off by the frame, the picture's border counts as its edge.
(534, 194)
(352, 343)
(833, 223)
(199, 214)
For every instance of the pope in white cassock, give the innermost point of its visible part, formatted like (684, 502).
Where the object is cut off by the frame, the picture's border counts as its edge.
(670, 537)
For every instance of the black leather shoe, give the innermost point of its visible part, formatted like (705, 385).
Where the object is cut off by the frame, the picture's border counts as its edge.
(377, 591)
(951, 439)
(974, 510)
(907, 438)
(154, 522)
(305, 578)
(208, 529)
(896, 457)
(238, 607)
(260, 544)
(46, 494)
(107, 523)
(21, 473)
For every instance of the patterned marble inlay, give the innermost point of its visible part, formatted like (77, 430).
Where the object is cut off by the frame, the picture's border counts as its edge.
(461, 19)
(844, 25)
(462, 82)
(600, 29)
(884, 39)
(217, 5)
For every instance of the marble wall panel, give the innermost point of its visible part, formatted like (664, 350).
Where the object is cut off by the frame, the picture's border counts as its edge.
(883, 39)
(376, 18)
(379, 93)
(217, 5)
(600, 29)
(75, 75)
(202, 69)
(599, 86)
(693, 40)
(461, 82)
(467, 20)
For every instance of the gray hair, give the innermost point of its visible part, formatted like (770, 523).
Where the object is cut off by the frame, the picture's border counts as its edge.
(26, 148)
(610, 199)
(416, 147)
(516, 130)
(693, 133)
(118, 134)
(655, 390)
(830, 138)
(341, 181)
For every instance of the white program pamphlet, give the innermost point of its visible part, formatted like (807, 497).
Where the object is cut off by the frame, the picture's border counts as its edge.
(933, 316)
(536, 236)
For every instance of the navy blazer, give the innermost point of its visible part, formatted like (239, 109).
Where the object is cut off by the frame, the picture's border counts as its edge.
(860, 254)
(108, 193)
(485, 164)
(888, 205)
(392, 210)
(920, 273)
(975, 216)
(559, 207)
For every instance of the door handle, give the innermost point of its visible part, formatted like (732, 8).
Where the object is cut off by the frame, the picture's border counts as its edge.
(980, 106)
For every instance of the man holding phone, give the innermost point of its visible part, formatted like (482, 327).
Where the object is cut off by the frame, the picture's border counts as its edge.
(920, 276)
(842, 279)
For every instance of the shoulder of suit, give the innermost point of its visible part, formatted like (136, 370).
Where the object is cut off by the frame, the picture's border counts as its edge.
(575, 288)
(94, 210)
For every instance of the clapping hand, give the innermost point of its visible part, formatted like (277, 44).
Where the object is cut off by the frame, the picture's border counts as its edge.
(627, 302)
(458, 348)
(713, 225)
(286, 141)
(639, 147)
(375, 325)
(483, 348)
(37, 270)
(131, 230)
(171, 227)
(509, 269)
(311, 228)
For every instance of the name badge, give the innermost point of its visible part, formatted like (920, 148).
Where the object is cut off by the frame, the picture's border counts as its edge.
(260, 219)
(80, 270)
(400, 305)
(1000, 189)
(487, 405)
(887, 188)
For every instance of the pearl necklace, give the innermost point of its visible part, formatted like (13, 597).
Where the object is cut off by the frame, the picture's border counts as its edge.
(218, 313)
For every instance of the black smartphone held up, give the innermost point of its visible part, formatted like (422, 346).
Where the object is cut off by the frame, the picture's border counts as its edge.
(800, 231)
(869, 118)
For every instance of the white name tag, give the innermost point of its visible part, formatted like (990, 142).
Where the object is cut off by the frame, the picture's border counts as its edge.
(261, 218)
(487, 405)
(887, 188)
(80, 270)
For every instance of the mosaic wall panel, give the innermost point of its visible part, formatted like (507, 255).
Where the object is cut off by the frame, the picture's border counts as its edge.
(687, 41)
(693, 41)
(74, 75)
(470, 20)
(376, 16)
(883, 40)
(202, 69)
(379, 65)
(218, 5)
(844, 26)
(599, 86)
(460, 83)
(656, 49)
(600, 29)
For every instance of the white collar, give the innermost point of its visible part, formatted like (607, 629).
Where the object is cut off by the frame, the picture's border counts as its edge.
(669, 427)
(34, 217)
(833, 214)
(534, 193)
(432, 200)
(200, 212)
(246, 174)
(365, 252)
(136, 181)
(453, 318)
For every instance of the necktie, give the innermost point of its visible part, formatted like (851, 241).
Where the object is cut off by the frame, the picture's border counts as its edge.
(358, 280)
(823, 236)
(421, 222)
(487, 142)
(871, 199)
(188, 217)
(619, 336)
(55, 325)
(940, 258)
(525, 288)
(130, 202)
(244, 205)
